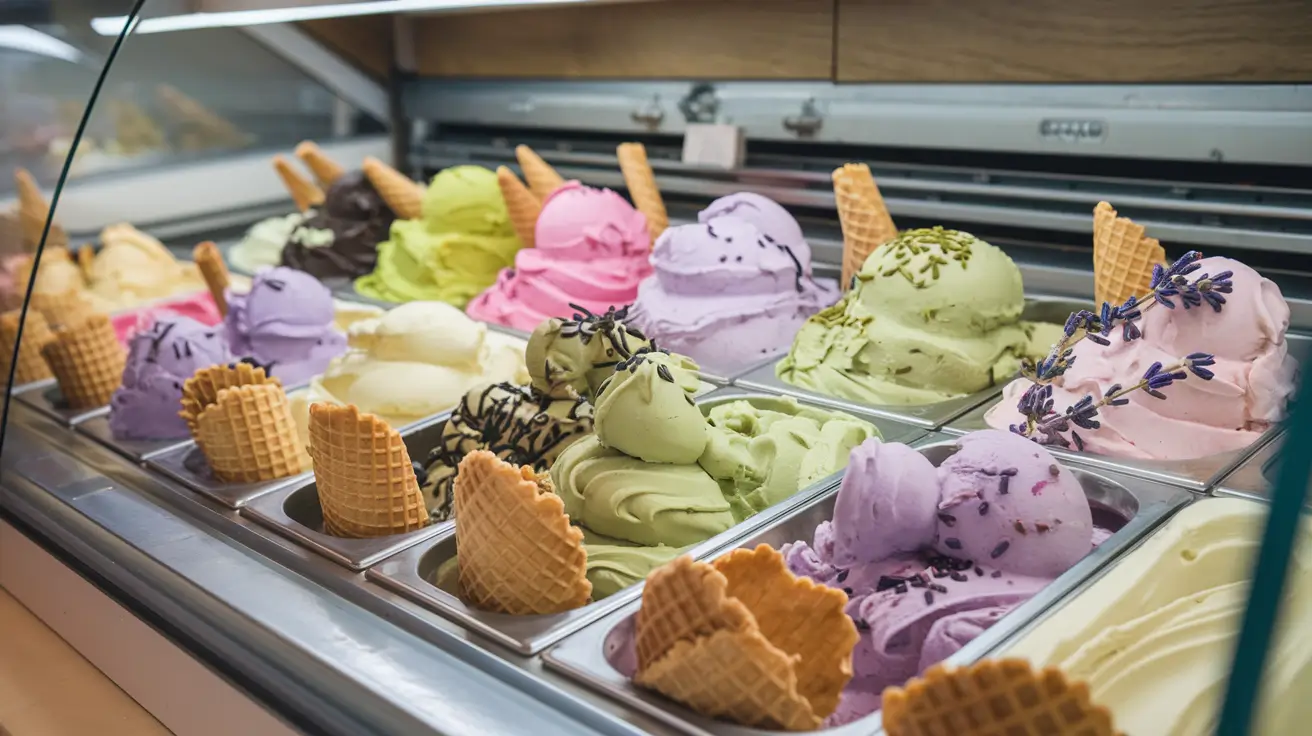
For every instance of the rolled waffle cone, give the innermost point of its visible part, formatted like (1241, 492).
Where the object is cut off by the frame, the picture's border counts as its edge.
(1123, 257)
(518, 552)
(541, 177)
(86, 260)
(87, 361)
(214, 271)
(400, 192)
(524, 206)
(326, 171)
(641, 181)
(362, 470)
(744, 639)
(202, 390)
(248, 435)
(993, 698)
(305, 193)
(864, 217)
(36, 333)
(33, 209)
(63, 309)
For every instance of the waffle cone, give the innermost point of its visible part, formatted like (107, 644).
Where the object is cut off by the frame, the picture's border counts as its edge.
(86, 260)
(305, 193)
(744, 639)
(87, 361)
(641, 181)
(248, 435)
(214, 271)
(63, 309)
(541, 177)
(864, 217)
(518, 552)
(400, 192)
(31, 366)
(993, 697)
(326, 171)
(362, 470)
(202, 390)
(33, 209)
(1123, 257)
(524, 206)
(202, 127)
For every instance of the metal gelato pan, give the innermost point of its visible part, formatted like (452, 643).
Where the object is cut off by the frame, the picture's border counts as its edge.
(413, 573)
(187, 465)
(97, 428)
(1254, 478)
(601, 656)
(929, 416)
(46, 398)
(294, 512)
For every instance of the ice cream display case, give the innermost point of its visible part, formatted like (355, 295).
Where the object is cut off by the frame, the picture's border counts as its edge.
(488, 405)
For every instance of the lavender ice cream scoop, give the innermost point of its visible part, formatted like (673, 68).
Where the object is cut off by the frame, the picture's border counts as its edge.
(931, 557)
(146, 405)
(285, 323)
(732, 289)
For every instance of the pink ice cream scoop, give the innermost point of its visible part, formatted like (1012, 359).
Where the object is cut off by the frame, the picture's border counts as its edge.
(1254, 375)
(591, 250)
(160, 359)
(285, 323)
(733, 289)
(930, 557)
(198, 306)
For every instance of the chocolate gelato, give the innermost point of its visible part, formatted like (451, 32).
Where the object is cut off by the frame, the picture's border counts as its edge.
(339, 239)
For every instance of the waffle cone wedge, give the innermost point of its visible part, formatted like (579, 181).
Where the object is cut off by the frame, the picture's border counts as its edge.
(524, 206)
(864, 217)
(518, 552)
(214, 271)
(994, 698)
(400, 192)
(541, 177)
(326, 171)
(641, 181)
(1123, 257)
(86, 260)
(202, 389)
(362, 471)
(305, 193)
(248, 435)
(31, 366)
(87, 361)
(33, 209)
(744, 639)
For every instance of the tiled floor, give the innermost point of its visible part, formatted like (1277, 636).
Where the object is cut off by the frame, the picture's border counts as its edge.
(48, 689)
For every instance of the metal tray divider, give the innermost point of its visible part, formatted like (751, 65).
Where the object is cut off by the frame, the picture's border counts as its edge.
(582, 656)
(45, 397)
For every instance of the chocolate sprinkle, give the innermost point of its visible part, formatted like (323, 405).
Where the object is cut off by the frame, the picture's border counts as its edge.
(997, 573)
(929, 598)
(664, 372)
(953, 543)
(1004, 485)
(948, 519)
(842, 575)
(959, 577)
(938, 588)
(979, 571)
(999, 550)
(983, 508)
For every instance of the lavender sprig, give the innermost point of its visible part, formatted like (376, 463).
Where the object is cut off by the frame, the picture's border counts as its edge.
(1046, 426)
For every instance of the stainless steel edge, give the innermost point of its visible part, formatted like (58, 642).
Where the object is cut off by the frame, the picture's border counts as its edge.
(582, 656)
(47, 399)
(97, 428)
(311, 650)
(1250, 479)
(187, 465)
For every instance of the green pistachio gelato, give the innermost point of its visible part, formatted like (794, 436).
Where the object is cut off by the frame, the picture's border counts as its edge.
(645, 410)
(935, 314)
(455, 252)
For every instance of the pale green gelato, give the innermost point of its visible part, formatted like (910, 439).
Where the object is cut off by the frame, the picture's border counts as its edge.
(701, 474)
(455, 252)
(935, 314)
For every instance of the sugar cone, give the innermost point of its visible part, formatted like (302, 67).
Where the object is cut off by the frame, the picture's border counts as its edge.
(518, 552)
(541, 177)
(33, 209)
(641, 181)
(326, 171)
(864, 217)
(745, 640)
(304, 192)
(991, 698)
(87, 361)
(523, 205)
(400, 192)
(86, 260)
(1123, 257)
(248, 435)
(202, 389)
(362, 471)
(36, 333)
(214, 271)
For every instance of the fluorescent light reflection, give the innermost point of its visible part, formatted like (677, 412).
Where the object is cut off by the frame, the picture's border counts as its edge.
(23, 38)
(112, 26)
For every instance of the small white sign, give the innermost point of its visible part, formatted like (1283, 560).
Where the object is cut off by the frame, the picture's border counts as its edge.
(714, 144)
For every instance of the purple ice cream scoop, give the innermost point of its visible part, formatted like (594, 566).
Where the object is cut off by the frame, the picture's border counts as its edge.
(285, 323)
(732, 289)
(160, 359)
(931, 557)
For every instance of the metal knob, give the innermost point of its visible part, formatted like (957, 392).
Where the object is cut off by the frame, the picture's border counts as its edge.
(650, 114)
(807, 122)
(700, 105)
